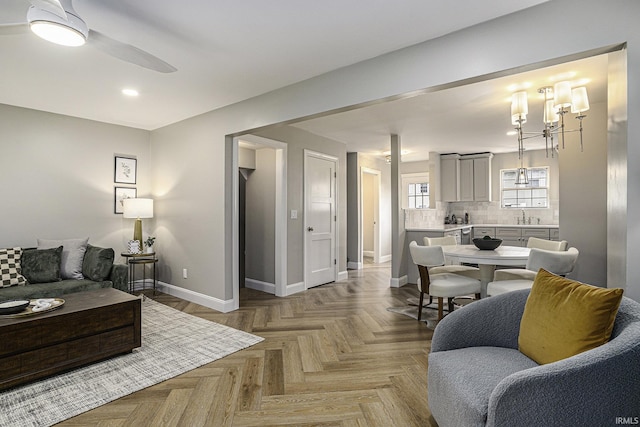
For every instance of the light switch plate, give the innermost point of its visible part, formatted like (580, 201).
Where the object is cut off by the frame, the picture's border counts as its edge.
(294, 214)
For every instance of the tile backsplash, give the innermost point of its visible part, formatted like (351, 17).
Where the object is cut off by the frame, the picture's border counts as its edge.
(479, 213)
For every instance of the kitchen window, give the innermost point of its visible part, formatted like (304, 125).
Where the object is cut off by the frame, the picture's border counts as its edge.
(415, 190)
(535, 194)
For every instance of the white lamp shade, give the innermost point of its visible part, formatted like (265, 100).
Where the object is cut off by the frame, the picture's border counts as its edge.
(550, 112)
(562, 95)
(519, 105)
(579, 100)
(137, 208)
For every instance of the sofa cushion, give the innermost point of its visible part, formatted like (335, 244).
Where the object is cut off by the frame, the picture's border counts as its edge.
(42, 265)
(460, 381)
(97, 263)
(563, 317)
(72, 255)
(10, 267)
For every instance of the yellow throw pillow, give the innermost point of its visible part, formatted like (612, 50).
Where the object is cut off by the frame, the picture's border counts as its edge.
(563, 317)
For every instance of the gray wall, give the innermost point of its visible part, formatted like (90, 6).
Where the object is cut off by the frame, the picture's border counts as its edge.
(190, 155)
(260, 217)
(297, 141)
(56, 175)
(353, 209)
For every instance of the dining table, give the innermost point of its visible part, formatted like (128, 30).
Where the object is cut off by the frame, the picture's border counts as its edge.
(487, 260)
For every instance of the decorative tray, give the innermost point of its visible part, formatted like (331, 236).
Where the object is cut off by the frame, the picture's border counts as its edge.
(36, 306)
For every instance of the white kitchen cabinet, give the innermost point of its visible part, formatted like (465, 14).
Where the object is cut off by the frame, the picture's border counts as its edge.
(449, 182)
(482, 178)
(479, 232)
(466, 178)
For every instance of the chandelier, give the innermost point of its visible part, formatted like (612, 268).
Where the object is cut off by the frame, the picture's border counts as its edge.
(558, 101)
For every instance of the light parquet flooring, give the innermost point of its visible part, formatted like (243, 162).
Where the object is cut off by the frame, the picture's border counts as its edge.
(332, 356)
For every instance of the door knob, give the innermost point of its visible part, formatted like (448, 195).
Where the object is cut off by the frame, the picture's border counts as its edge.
(309, 228)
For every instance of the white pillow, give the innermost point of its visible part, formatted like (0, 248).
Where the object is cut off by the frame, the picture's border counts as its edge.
(72, 255)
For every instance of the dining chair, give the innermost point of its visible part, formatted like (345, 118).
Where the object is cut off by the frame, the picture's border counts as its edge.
(465, 270)
(560, 263)
(549, 245)
(441, 285)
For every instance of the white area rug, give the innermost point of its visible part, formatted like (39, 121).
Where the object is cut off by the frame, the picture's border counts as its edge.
(173, 342)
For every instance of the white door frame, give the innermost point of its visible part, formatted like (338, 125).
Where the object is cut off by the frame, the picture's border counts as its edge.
(309, 153)
(376, 234)
(280, 215)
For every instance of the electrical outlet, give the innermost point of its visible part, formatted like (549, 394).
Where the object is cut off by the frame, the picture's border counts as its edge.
(184, 273)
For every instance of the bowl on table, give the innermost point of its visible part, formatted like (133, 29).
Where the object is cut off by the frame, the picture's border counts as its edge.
(485, 244)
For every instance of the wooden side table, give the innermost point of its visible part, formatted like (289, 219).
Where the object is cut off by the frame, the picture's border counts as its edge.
(141, 259)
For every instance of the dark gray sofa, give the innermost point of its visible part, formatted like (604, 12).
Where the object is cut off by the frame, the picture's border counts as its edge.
(98, 269)
(477, 376)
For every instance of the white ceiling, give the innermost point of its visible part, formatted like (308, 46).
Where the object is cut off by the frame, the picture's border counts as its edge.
(225, 51)
(466, 119)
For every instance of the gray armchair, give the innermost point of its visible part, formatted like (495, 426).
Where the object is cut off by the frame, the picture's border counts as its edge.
(477, 376)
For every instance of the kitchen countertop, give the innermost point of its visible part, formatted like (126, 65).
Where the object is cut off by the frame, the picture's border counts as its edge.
(454, 227)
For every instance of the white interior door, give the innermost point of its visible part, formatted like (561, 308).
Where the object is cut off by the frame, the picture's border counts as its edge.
(320, 218)
(370, 213)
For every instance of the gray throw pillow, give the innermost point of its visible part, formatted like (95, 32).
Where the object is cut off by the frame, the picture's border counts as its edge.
(41, 265)
(97, 263)
(72, 255)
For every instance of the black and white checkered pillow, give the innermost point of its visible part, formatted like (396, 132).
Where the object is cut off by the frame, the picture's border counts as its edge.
(10, 272)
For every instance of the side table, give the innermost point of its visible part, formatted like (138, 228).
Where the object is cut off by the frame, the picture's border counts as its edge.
(141, 259)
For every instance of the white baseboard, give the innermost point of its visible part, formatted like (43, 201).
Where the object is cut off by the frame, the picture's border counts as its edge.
(399, 282)
(385, 258)
(196, 297)
(294, 288)
(343, 275)
(258, 285)
(354, 265)
(367, 254)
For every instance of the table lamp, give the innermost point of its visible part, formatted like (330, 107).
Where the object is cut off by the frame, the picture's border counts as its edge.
(138, 208)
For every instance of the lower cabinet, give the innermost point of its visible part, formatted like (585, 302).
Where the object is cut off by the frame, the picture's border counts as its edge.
(517, 236)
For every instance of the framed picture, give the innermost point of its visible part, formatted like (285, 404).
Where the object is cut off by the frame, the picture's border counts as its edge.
(121, 193)
(125, 170)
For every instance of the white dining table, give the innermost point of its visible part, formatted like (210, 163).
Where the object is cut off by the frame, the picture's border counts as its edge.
(512, 256)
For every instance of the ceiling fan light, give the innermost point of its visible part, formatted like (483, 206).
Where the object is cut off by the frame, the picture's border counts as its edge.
(57, 33)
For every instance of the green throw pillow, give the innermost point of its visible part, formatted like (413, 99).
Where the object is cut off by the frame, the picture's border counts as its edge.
(41, 265)
(97, 263)
(563, 317)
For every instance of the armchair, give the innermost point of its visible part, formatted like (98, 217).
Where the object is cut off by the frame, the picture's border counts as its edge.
(477, 376)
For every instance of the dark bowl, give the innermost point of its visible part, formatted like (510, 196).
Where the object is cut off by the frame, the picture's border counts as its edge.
(13, 306)
(486, 244)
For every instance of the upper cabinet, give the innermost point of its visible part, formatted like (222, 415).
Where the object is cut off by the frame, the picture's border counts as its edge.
(466, 178)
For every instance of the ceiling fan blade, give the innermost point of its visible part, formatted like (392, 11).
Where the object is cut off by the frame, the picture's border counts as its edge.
(12, 29)
(128, 53)
(52, 6)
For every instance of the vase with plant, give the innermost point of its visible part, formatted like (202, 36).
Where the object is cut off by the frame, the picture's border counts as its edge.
(149, 244)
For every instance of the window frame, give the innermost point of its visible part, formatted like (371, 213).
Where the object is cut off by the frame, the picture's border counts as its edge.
(530, 188)
(413, 179)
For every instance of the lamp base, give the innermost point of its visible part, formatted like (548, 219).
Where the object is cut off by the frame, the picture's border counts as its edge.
(137, 232)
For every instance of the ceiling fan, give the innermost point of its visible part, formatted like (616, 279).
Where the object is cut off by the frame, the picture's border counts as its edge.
(58, 22)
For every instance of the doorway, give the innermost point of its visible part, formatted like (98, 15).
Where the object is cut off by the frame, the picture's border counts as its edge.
(370, 215)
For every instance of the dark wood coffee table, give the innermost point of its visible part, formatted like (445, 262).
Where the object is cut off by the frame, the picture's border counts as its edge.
(90, 326)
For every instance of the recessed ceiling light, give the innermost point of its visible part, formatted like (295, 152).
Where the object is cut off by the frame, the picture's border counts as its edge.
(130, 92)
(511, 133)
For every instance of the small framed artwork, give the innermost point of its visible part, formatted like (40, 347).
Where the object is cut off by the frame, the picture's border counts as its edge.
(125, 170)
(121, 193)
